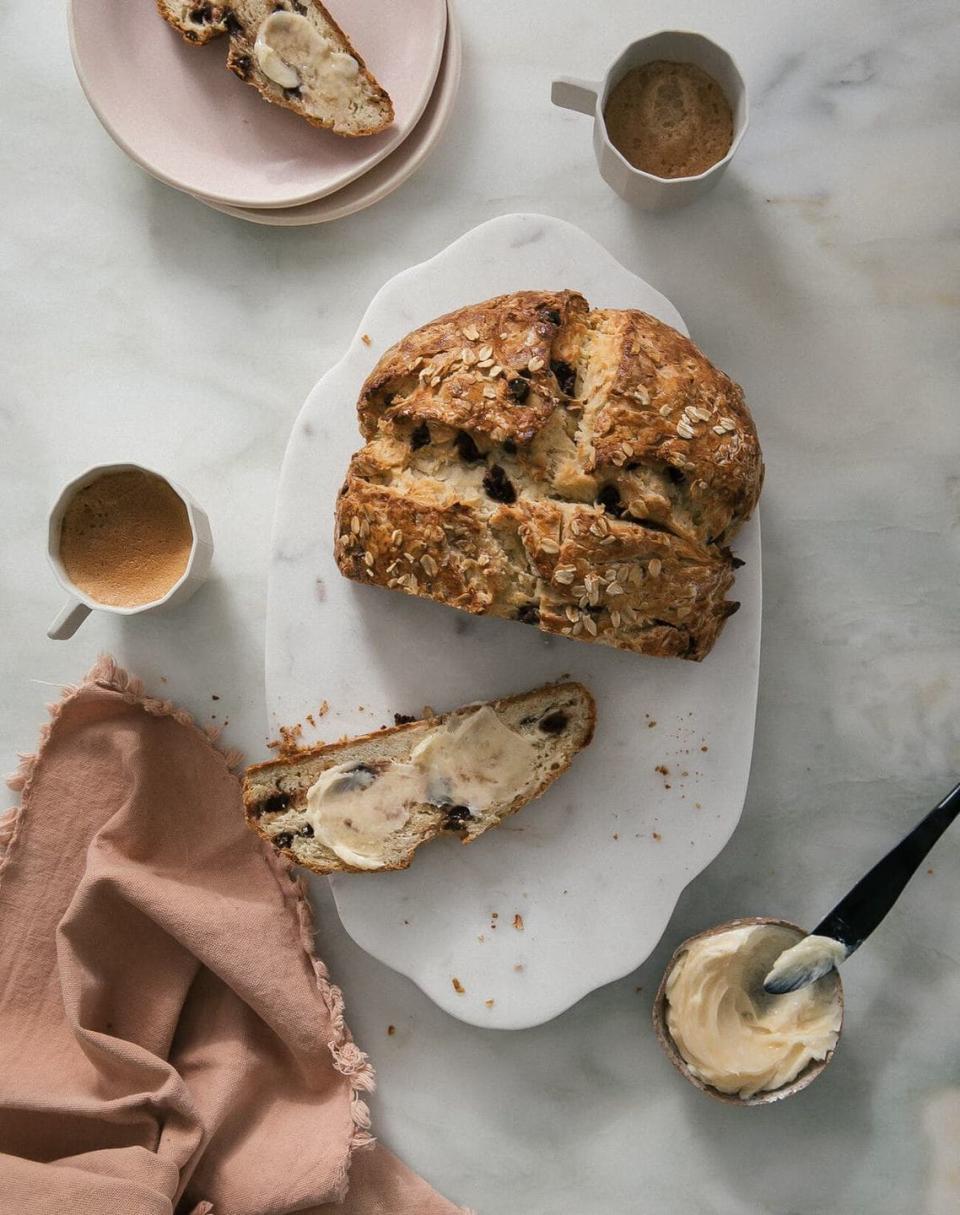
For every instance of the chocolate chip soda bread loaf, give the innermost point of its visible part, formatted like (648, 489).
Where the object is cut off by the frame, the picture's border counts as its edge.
(295, 54)
(367, 804)
(582, 470)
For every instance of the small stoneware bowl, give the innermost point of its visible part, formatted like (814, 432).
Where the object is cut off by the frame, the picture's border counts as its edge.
(809, 1073)
(590, 97)
(79, 605)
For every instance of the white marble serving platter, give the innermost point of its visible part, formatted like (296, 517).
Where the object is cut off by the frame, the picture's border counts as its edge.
(576, 890)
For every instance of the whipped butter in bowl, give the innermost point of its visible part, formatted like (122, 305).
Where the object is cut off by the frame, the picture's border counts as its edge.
(726, 1034)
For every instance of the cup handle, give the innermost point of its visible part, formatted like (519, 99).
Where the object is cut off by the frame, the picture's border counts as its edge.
(574, 94)
(71, 616)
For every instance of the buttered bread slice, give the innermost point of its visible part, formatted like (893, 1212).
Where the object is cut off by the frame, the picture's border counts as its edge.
(295, 54)
(367, 804)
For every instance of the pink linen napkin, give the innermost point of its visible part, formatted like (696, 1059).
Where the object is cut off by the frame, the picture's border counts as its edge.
(169, 1041)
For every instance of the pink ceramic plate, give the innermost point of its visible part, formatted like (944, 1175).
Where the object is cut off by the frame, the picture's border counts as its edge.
(390, 173)
(179, 113)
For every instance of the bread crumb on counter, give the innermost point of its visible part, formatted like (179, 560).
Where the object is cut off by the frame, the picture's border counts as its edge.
(518, 922)
(289, 741)
(458, 987)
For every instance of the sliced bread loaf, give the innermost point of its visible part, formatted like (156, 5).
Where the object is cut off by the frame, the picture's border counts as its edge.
(368, 803)
(295, 54)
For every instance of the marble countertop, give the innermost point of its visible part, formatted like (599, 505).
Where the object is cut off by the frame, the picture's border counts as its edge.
(823, 275)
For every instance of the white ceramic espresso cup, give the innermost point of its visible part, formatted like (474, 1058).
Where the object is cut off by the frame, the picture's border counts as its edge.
(79, 605)
(590, 97)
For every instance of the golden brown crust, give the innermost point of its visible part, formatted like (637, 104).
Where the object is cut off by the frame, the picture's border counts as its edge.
(325, 749)
(284, 762)
(530, 458)
(429, 379)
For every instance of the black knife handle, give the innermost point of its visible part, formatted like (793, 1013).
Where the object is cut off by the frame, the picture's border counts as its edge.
(857, 915)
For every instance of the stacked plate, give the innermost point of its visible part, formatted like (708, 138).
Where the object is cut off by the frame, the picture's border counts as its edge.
(177, 111)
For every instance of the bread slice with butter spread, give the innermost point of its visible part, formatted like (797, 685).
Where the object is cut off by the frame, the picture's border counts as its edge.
(295, 54)
(368, 803)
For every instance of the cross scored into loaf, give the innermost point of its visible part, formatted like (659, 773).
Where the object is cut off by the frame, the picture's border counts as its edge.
(579, 470)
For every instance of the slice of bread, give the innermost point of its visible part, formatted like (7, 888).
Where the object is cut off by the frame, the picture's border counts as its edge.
(550, 726)
(331, 88)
